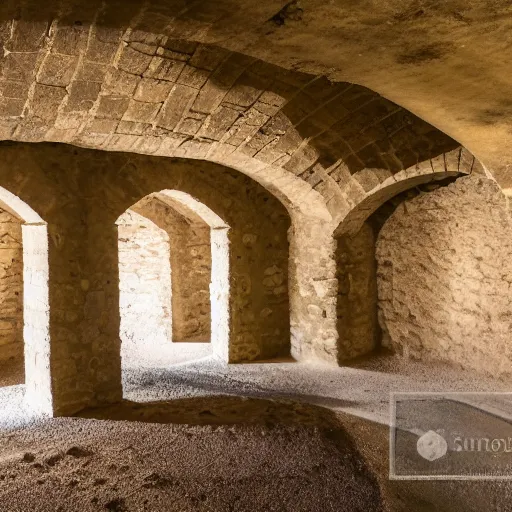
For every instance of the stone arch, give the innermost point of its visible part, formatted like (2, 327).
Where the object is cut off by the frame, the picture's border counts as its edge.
(131, 88)
(132, 85)
(81, 196)
(36, 305)
(356, 302)
(458, 162)
(160, 226)
(219, 271)
(258, 256)
(141, 85)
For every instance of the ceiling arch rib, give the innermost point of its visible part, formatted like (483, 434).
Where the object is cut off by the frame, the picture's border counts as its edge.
(309, 141)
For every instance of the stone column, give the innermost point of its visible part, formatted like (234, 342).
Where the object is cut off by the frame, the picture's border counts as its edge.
(357, 294)
(220, 296)
(83, 281)
(101, 328)
(313, 290)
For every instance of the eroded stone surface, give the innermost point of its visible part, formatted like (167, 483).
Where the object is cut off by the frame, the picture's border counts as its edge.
(81, 194)
(11, 287)
(445, 274)
(357, 294)
(131, 84)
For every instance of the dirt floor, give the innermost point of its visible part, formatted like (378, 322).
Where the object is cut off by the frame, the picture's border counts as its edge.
(92, 465)
(200, 436)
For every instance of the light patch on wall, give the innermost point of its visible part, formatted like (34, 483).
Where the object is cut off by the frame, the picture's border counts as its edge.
(147, 303)
(36, 304)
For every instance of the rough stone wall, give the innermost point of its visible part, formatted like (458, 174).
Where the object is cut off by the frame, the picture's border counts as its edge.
(11, 286)
(150, 78)
(191, 257)
(64, 311)
(313, 288)
(113, 182)
(191, 262)
(144, 284)
(357, 294)
(258, 255)
(80, 194)
(445, 276)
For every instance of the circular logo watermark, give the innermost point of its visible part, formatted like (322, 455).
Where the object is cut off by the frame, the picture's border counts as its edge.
(432, 446)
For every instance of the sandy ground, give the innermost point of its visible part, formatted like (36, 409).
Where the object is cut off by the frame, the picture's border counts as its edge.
(89, 465)
(202, 436)
(362, 390)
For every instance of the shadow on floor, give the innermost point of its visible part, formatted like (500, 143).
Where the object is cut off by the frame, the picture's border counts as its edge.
(218, 410)
(229, 386)
(12, 371)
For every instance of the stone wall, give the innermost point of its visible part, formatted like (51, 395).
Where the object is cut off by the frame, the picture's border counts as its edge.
(258, 245)
(191, 262)
(80, 194)
(144, 284)
(11, 287)
(357, 294)
(445, 276)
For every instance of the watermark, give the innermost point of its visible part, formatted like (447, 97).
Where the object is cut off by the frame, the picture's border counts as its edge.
(451, 436)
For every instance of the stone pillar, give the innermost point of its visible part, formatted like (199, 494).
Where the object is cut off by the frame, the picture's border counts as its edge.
(84, 310)
(313, 290)
(39, 352)
(357, 294)
(220, 296)
(101, 329)
(60, 324)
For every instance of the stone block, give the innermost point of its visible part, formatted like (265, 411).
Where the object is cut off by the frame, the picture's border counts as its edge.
(176, 105)
(152, 91)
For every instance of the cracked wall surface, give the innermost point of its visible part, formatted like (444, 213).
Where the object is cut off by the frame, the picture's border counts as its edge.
(445, 275)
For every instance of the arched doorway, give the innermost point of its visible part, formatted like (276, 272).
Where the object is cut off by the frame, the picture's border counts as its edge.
(25, 298)
(173, 280)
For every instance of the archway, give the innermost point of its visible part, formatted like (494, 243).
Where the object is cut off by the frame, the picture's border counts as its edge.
(357, 272)
(35, 312)
(173, 280)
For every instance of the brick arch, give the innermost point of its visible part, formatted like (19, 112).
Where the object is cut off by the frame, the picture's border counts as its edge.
(132, 80)
(458, 162)
(356, 301)
(123, 81)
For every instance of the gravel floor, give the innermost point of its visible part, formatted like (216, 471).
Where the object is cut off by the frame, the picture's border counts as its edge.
(202, 436)
(362, 390)
(89, 465)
